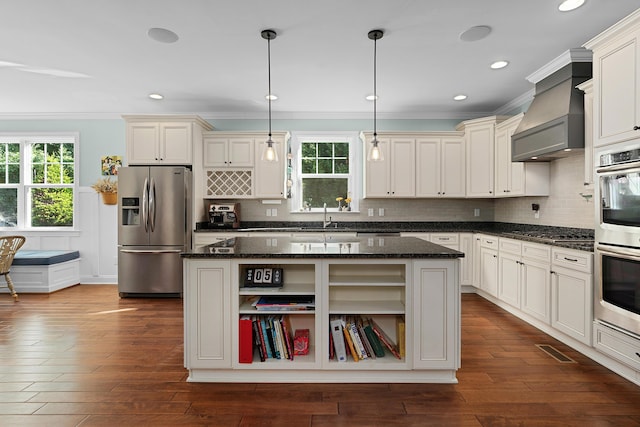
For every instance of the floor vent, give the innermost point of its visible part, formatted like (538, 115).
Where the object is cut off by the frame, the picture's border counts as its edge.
(555, 353)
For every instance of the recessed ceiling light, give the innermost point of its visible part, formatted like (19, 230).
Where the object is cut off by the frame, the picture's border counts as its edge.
(568, 5)
(372, 97)
(460, 97)
(534, 158)
(156, 96)
(162, 35)
(271, 97)
(499, 64)
(475, 33)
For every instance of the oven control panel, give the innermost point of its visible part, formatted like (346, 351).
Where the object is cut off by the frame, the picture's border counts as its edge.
(621, 157)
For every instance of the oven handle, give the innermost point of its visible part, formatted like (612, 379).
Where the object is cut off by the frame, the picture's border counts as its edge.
(619, 252)
(616, 168)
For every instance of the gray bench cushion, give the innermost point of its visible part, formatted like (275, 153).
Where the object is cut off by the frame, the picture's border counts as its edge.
(25, 257)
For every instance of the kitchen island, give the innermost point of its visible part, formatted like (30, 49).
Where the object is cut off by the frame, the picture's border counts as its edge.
(406, 287)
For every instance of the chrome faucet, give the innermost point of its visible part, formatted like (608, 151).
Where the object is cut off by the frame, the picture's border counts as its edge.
(325, 223)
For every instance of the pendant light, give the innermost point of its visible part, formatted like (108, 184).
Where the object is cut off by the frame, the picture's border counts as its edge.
(270, 154)
(375, 152)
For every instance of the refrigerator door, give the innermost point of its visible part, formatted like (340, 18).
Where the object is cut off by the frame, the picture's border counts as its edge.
(169, 201)
(146, 270)
(133, 207)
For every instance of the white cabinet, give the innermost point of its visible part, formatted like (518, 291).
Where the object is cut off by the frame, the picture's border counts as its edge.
(587, 88)
(207, 314)
(435, 304)
(515, 179)
(440, 167)
(536, 281)
(510, 271)
(617, 344)
(572, 293)
(489, 265)
(479, 137)
(476, 263)
(221, 151)
(162, 139)
(616, 76)
(271, 177)
(395, 176)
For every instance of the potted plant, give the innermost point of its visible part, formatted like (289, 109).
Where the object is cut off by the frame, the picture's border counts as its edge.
(108, 189)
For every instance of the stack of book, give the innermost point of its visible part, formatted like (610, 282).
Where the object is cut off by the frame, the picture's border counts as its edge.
(270, 336)
(285, 303)
(361, 338)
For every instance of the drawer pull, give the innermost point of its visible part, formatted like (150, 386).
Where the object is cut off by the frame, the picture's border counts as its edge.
(571, 259)
(637, 354)
(490, 242)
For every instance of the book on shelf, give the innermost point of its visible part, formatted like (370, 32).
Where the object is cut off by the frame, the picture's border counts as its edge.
(265, 337)
(384, 338)
(376, 345)
(275, 340)
(400, 335)
(288, 335)
(357, 341)
(245, 340)
(347, 336)
(285, 302)
(365, 340)
(258, 341)
(338, 339)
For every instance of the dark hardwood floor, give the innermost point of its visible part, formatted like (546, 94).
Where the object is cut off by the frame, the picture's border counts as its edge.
(84, 357)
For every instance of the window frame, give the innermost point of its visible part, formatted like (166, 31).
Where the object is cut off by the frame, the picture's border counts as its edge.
(355, 168)
(26, 140)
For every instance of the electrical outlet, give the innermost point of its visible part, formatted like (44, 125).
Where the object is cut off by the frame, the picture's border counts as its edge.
(536, 214)
(274, 212)
(380, 211)
(268, 212)
(370, 211)
(476, 212)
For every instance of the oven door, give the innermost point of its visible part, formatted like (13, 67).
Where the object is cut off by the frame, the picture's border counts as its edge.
(619, 211)
(618, 287)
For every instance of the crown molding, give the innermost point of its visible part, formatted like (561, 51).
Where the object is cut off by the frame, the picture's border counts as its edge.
(515, 103)
(572, 55)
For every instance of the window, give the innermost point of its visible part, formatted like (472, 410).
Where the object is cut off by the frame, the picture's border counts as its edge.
(37, 181)
(325, 168)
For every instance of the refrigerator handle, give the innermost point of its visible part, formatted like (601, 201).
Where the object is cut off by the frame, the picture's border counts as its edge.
(152, 205)
(145, 204)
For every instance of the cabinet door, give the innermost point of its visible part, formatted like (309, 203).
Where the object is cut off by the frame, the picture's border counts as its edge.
(466, 263)
(436, 308)
(489, 271)
(270, 176)
(477, 260)
(241, 151)
(428, 165)
(176, 143)
(616, 69)
(452, 168)
(480, 160)
(143, 143)
(572, 302)
(536, 289)
(403, 168)
(215, 152)
(509, 273)
(207, 314)
(377, 174)
(503, 162)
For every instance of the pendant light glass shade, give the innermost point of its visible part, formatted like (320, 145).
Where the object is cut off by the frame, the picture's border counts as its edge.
(375, 151)
(270, 153)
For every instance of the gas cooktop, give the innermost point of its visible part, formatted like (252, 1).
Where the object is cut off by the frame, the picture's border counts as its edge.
(552, 236)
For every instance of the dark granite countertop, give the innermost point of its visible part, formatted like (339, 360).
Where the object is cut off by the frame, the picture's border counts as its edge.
(528, 232)
(323, 247)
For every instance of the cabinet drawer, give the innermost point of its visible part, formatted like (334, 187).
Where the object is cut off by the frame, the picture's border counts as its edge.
(489, 242)
(618, 345)
(510, 246)
(575, 260)
(444, 238)
(536, 251)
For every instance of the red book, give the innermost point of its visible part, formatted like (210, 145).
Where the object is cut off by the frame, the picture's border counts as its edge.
(245, 340)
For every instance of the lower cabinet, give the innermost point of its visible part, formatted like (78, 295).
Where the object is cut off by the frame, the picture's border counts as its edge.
(415, 303)
(489, 265)
(617, 344)
(572, 294)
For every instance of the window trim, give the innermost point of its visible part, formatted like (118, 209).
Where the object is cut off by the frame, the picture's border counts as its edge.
(355, 166)
(23, 187)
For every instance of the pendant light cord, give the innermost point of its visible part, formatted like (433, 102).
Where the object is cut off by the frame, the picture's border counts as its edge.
(375, 95)
(269, 73)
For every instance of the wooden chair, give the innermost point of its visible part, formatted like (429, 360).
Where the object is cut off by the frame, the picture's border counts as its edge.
(9, 245)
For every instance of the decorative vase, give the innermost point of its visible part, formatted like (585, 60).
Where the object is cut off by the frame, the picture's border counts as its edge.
(109, 198)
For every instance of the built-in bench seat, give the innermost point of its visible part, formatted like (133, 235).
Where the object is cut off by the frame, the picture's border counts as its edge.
(44, 271)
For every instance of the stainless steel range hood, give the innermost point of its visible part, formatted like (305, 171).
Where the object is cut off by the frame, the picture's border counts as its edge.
(555, 120)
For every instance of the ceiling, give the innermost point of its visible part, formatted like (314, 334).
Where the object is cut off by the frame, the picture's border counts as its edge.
(94, 58)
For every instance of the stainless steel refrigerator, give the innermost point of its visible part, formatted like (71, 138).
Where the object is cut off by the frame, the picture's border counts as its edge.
(154, 226)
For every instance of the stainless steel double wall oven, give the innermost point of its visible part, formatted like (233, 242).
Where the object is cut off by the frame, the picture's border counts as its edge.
(617, 235)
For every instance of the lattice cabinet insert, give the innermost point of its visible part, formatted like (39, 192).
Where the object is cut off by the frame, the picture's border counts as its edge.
(229, 183)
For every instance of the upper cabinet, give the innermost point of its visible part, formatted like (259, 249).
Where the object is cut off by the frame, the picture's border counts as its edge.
(162, 139)
(587, 88)
(480, 150)
(395, 176)
(228, 151)
(616, 76)
(514, 179)
(440, 161)
(232, 167)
